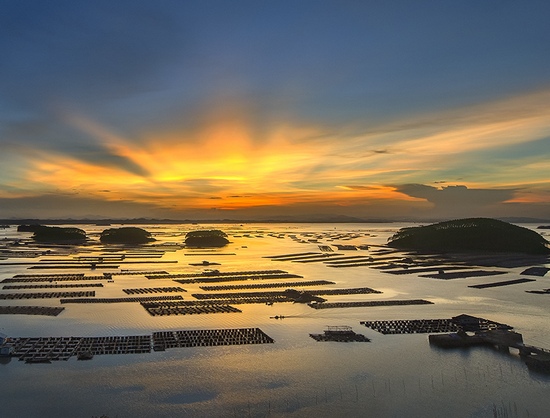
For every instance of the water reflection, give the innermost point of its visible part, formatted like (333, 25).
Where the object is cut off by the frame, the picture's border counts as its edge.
(393, 375)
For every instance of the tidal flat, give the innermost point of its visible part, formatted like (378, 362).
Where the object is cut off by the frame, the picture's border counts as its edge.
(397, 375)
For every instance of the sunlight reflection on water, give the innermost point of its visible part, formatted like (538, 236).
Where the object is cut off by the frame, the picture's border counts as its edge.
(393, 375)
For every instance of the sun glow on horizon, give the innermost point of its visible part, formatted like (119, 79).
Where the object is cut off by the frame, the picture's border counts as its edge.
(227, 163)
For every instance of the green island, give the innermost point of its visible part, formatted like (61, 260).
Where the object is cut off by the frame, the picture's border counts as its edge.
(471, 234)
(126, 235)
(60, 235)
(206, 238)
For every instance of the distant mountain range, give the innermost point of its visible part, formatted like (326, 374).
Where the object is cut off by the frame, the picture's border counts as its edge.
(317, 218)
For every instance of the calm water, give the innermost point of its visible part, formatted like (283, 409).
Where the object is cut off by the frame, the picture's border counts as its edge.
(393, 375)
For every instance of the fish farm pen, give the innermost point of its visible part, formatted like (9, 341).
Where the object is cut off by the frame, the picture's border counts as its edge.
(138, 272)
(47, 349)
(76, 266)
(419, 326)
(463, 274)
(52, 276)
(412, 326)
(503, 283)
(209, 337)
(341, 333)
(31, 310)
(343, 259)
(539, 292)
(46, 295)
(413, 270)
(121, 300)
(353, 291)
(167, 309)
(536, 271)
(153, 290)
(327, 305)
(266, 285)
(51, 286)
(48, 278)
(216, 273)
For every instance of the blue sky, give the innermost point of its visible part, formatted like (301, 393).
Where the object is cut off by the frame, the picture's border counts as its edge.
(261, 108)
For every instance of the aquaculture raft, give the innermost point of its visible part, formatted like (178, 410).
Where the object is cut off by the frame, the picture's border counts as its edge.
(51, 286)
(186, 308)
(418, 326)
(54, 278)
(153, 290)
(412, 326)
(47, 349)
(341, 333)
(31, 310)
(266, 285)
(503, 283)
(325, 305)
(45, 295)
(120, 300)
(209, 337)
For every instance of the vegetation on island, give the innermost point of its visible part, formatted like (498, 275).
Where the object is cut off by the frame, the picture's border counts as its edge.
(29, 228)
(472, 234)
(206, 238)
(126, 235)
(60, 235)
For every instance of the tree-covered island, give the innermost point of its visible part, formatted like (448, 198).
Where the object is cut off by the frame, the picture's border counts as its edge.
(472, 234)
(206, 238)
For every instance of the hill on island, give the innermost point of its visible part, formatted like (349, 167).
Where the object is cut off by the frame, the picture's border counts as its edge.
(206, 238)
(126, 235)
(472, 234)
(58, 234)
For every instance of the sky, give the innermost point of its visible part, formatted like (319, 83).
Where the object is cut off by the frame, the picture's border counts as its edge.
(400, 109)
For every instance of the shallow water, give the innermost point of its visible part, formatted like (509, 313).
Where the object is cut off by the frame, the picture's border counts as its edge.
(393, 375)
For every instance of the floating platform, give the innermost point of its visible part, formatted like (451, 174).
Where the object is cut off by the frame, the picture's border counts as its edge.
(204, 263)
(503, 283)
(153, 290)
(208, 338)
(137, 272)
(51, 286)
(76, 266)
(121, 300)
(289, 295)
(54, 278)
(535, 271)
(342, 333)
(412, 326)
(417, 326)
(48, 276)
(47, 295)
(266, 285)
(539, 292)
(217, 273)
(283, 256)
(414, 270)
(47, 349)
(167, 309)
(351, 291)
(332, 305)
(463, 274)
(31, 310)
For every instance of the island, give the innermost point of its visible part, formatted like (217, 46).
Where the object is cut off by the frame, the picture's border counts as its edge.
(126, 235)
(59, 235)
(206, 238)
(471, 234)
